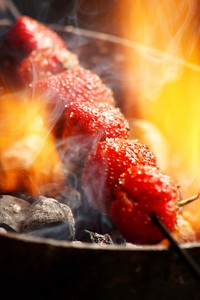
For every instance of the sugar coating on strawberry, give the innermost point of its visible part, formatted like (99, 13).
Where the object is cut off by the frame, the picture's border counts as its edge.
(88, 122)
(143, 192)
(96, 119)
(20, 53)
(74, 85)
(43, 63)
(104, 165)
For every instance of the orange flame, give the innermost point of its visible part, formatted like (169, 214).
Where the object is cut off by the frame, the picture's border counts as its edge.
(164, 74)
(29, 160)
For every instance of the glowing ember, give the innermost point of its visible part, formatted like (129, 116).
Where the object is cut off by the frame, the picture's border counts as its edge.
(29, 160)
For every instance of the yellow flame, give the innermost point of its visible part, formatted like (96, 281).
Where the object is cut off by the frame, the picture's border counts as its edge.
(176, 112)
(28, 158)
(164, 77)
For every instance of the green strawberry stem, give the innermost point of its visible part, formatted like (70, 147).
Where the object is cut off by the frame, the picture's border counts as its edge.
(194, 267)
(183, 202)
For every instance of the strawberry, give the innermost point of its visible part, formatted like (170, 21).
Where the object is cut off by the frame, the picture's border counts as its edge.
(43, 63)
(105, 163)
(86, 123)
(143, 192)
(95, 119)
(28, 35)
(69, 86)
(72, 85)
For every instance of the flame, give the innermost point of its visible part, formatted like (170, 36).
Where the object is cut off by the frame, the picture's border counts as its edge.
(29, 160)
(164, 77)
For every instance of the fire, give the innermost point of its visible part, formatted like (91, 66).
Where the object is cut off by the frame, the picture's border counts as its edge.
(176, 113)
(29, 160)
(164, 74)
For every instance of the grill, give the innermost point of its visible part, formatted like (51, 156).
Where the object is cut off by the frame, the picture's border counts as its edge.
(33, 267)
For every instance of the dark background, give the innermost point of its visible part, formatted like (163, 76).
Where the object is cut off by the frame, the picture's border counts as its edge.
(90, 14)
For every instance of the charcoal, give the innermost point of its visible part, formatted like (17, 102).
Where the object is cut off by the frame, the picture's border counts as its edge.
(13, 212)
(100, 239)
(46, 213)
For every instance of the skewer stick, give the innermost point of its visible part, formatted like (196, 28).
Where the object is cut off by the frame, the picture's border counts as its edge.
(194, 267)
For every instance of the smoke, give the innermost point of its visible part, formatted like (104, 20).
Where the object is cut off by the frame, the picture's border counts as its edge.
(2, 5)
(185, 30)
(166, 25)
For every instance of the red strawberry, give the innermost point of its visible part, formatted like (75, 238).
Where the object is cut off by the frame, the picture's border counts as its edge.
(28, 35)
(86, 123)
(72, 85)
(141, 192)
(105, 163)
(43, 63)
